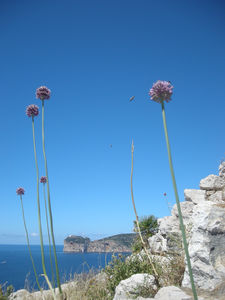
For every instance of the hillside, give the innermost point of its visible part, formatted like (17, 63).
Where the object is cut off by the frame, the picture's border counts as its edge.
(115, 243)
(122, 239)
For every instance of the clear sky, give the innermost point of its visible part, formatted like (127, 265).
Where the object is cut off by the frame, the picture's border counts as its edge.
(95, 55)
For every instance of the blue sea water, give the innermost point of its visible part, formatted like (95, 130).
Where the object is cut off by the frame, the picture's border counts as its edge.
(16, 267)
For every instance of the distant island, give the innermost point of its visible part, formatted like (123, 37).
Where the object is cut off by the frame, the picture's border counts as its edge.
(115, 243)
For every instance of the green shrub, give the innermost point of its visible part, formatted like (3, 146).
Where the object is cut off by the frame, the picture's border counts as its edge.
(5, 294)
(120, 268)
(148, 227)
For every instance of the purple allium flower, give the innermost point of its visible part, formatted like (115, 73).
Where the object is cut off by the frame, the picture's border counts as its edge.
(160, 91)
(32, 110)
(43, 179)
(20, 191)
(43, 93)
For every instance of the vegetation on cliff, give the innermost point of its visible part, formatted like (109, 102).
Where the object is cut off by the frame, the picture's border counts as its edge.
(76, 239)
(115, 243)
(148, 227)
(121, 239)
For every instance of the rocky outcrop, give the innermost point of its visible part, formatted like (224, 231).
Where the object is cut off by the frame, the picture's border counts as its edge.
(46, 294)
(204, 219)
(76, 244)
(171, 293)
(206, 246)
(130, 288)
(212, 183)
(116, 243)
(222, 169)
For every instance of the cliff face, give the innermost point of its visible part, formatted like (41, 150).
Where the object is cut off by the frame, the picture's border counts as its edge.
(204, 218)
(76, 244)
(116, 243)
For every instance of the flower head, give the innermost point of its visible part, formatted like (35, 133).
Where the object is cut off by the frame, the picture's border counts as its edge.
(32, 110)
(160, 91)
(43, 93)
(164, 194)
(43, 179)
(20, 191)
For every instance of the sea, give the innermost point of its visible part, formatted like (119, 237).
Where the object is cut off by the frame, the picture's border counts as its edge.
(16, 267)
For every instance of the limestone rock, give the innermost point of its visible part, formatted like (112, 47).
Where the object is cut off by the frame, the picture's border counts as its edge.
(141, 298)
(217, 197)
(47, 294)
(212, 182)
(130, 288)
(171, 293)
(186, 209)
(195, 196)
(206, 247)
(158, 243)
(20, 295)
(204, 220)
(222, 169)
(167, 225)
(169, 237)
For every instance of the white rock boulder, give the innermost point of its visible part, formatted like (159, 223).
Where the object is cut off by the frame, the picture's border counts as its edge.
(212, 182)
(158, 243)
(171, 293)
(194, 196)
(130, 288)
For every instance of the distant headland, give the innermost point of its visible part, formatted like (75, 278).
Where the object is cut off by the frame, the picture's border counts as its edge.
(115, 243)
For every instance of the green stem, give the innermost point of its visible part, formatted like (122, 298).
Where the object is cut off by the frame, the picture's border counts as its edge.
(49, 240)
(28, 244)
(50, 286)
(178, 205)
(38, 202)
(49, 202)
(136, 215)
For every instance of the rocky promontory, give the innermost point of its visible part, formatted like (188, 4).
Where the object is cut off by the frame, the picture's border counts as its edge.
(115, 243)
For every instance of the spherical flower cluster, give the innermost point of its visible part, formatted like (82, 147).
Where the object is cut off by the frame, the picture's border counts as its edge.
(43, 179)
(32, 110)
(43, 93)
(160, 91)
(20, 191)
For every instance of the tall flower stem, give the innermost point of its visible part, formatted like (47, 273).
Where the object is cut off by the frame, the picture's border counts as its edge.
(178, 205)
(136, 215)
(50, 286)
(38, 202)
(49, 239)
(28, 244)
(49, 202)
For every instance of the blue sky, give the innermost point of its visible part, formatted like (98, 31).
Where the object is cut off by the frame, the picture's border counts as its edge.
(95, 55)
